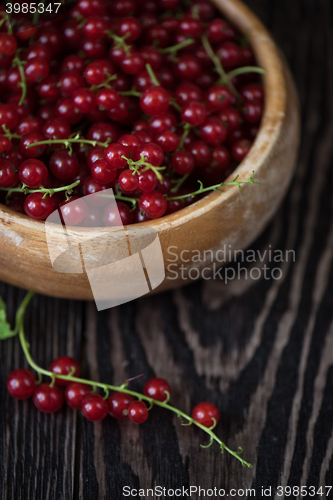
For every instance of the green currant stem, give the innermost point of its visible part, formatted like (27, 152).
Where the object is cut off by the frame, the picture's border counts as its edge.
(50, 192)
(132, 93)
(235, 182)
(67, 142)
(179, 183)
(105, 84)
(120, 41)
(108, 387)
(152, 75)
(174, 48)
(134, 165)
(175, 104)
(218, 66)
(187, 128)
(245, 69)
(9, 134)
(23, 83)
(6, 18)
(120, 197)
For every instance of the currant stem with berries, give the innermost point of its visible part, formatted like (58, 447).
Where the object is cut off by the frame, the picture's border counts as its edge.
(41, 189)
(201, 189)
(19, 329)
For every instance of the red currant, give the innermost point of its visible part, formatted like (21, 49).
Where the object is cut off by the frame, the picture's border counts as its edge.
(74, 394)
(153, 204)
(155, 388)
(138, 412)
(204, 413)
(118, 403)
(48, 399)
(33, 173)
(73, 211)
(63, 366)
(21, 384)
(94, 407)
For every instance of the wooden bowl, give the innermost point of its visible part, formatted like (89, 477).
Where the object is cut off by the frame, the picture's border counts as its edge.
(216, 221)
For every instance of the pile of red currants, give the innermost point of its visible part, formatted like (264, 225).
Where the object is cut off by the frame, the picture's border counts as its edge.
(49, 398)
(146, 98)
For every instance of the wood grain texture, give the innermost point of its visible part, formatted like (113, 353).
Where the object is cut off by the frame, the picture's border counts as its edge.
(260, 350)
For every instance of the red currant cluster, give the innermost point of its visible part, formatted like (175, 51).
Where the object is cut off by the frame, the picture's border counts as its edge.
(126, 95)
(49, 398)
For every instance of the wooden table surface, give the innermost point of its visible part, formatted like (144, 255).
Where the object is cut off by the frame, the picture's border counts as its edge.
(261, 350)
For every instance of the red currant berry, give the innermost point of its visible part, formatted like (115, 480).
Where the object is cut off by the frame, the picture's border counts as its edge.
(131, 143)
(107, 99)
(73, 211)
(94, 407)
(114, 156)
(63, 165)
(29, 124)
(69, 82)
(21, 384)
(84, 100)
(138, 412)
(201, 153)
(240, 149)
(204, 413)
(95, 27)
(219, 97)
(56, 128)
(64, 366)
(220, 31)
(221, 157)
(187, 92)
(118, 403)
(37, 207)
(147, 181)
(213, 131)
(33, 173)
(117, 214)
(102, 131)
(168, 141)
(153, 204)
(74, 394)
(253, 92)
(8, 116)
(8, 174)
(8, 46)
(36, 70)
(48, 399)
(29, 139)
(151, 153)
(252, 112)
(182, 162)
(5, 143)
(102, 172)
(194, 113)
(130, 27)
(231, 117)
(155, 101)
(155, 388)
(229, 54)
(128, 181)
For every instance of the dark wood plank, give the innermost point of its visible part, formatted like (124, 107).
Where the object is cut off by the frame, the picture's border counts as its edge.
(37, 451)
